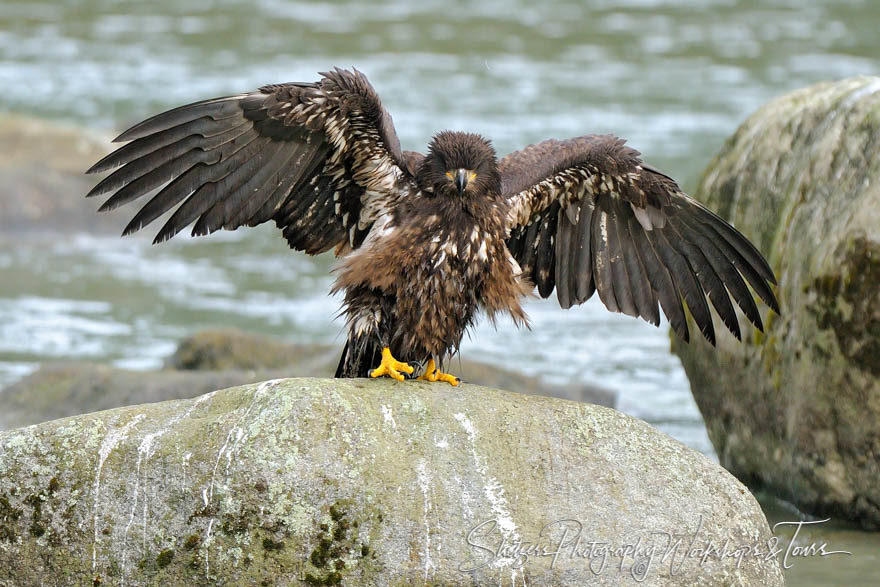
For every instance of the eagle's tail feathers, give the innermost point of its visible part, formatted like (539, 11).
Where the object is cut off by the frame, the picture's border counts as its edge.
(360, 355)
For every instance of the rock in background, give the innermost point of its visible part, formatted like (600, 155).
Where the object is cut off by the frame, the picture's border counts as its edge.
(214, 359)
(368, 482)
(797, 410)
(41, 178)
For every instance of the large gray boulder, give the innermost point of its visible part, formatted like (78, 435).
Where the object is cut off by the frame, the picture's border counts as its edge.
(368, 482)
(797, 410)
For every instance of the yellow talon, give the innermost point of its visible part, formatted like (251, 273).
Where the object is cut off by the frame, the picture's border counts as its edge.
(432, 373)
(390, 366)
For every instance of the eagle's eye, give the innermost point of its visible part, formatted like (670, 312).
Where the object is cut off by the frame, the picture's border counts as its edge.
(471, 175)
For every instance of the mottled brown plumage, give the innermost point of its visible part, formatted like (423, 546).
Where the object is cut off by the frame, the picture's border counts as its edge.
(426, 242)
(440, 258)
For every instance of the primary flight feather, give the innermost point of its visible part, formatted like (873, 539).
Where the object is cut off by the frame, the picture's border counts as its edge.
(427, 241)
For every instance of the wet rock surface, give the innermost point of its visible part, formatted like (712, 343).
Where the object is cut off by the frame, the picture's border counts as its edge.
(365, 482)
(796, 411)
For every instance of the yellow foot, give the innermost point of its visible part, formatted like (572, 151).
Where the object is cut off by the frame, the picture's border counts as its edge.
(432, 373)
(391, 367)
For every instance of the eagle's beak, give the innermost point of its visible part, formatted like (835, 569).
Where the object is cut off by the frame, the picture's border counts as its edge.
(461, 180)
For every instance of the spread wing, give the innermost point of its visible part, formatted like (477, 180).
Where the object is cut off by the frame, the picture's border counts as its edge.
(586, 214)
(320, 159)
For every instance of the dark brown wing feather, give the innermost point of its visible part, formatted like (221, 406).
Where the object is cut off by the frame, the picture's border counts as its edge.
(587, 215)
(301, 154)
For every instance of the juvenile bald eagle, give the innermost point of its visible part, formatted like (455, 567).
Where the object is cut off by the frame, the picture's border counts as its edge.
(427, 241)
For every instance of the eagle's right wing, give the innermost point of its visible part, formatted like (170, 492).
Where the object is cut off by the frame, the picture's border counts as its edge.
(320, 159)
(587, 214)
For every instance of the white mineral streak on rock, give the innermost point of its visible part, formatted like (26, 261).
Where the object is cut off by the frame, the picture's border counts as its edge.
(389, 417)
(113, 437)
(493, 490)
(208, 540)
(238, 433)
(424, 478)
(145, 451)
(466, 499)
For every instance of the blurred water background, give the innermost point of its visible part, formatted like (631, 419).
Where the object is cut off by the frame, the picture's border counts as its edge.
(674, 78)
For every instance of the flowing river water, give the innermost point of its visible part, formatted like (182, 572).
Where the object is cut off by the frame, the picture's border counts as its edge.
(674, 78)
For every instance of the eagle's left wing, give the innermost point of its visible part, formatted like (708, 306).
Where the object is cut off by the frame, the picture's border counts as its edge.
(586, 214)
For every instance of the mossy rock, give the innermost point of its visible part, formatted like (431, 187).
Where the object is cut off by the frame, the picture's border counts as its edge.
(796, 411)
(363, 482)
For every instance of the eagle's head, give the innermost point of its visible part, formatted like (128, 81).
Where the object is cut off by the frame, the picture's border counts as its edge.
(459, 165)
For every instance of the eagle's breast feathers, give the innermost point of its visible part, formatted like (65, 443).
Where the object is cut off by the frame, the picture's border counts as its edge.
(441, 263)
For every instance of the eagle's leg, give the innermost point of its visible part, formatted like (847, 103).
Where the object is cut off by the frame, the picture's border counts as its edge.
(391, 367)
(432, 373)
